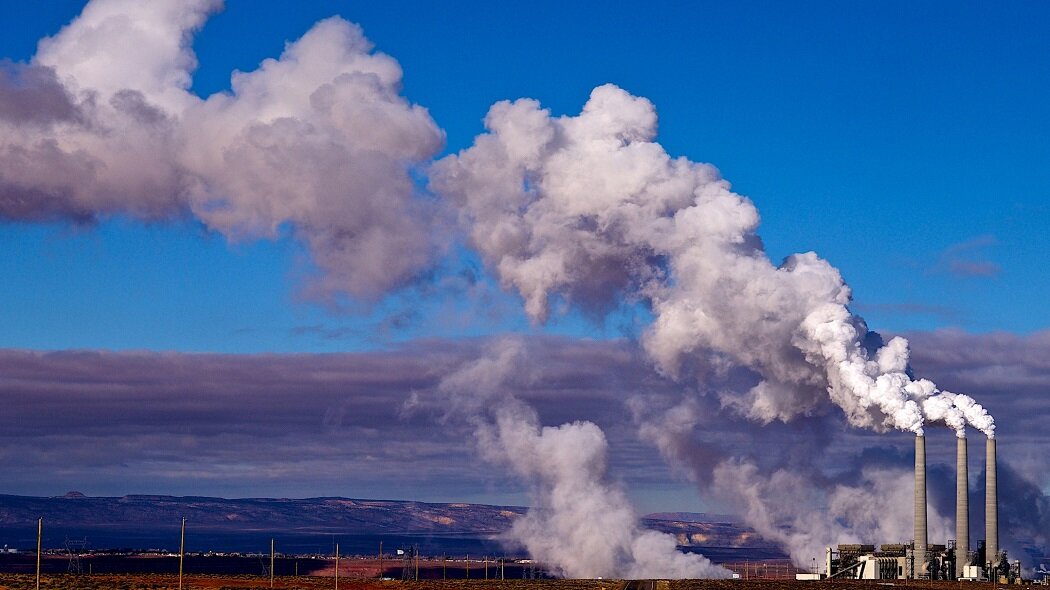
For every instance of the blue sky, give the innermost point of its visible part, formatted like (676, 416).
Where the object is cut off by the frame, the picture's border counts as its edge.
(909, 145)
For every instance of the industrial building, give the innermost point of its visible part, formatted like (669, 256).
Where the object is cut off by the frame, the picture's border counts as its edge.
(954, 560)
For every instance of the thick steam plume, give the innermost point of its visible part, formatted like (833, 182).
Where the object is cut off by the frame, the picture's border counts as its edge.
(318, 142)
(580, 525)
(589, 208)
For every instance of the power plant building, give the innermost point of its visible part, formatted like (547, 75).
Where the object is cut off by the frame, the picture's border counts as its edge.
(918, 559)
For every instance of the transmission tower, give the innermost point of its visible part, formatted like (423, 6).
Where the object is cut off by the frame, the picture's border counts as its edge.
(529, 572)
(409, 557)
(74, 549)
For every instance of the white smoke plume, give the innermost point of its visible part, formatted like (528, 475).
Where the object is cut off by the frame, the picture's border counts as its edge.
(580, 524)
(318, 142)
(589, 208)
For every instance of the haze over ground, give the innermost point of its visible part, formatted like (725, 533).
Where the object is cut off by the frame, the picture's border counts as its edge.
(509, 284)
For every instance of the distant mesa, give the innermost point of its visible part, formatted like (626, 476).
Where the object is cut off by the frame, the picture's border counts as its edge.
(244, 524)
(694, 517)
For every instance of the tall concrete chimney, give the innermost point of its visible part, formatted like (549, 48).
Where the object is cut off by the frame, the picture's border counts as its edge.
(962, 508)
(920, 505)
(991, 507)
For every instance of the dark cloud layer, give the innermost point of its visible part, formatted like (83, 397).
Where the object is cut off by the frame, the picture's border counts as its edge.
(107, 422)
(112, 423)
(968, 259)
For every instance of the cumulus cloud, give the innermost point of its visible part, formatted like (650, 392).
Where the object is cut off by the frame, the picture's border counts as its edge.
(318, 142)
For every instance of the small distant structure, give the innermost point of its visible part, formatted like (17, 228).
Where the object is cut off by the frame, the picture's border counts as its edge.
(1043, 575)
(264, 567)
(409, 562)
(74, 549)
(8, 550)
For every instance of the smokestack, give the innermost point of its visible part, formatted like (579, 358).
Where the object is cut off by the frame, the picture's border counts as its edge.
(991, 507)
(920, 504)
(962, 508)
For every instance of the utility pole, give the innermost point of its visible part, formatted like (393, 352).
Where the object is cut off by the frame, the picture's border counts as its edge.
(467, 561)
(271, 561)
(337, 566)
(39, 535)
(182, 549)
(486, 567)
(381, 560)
(417, 563)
